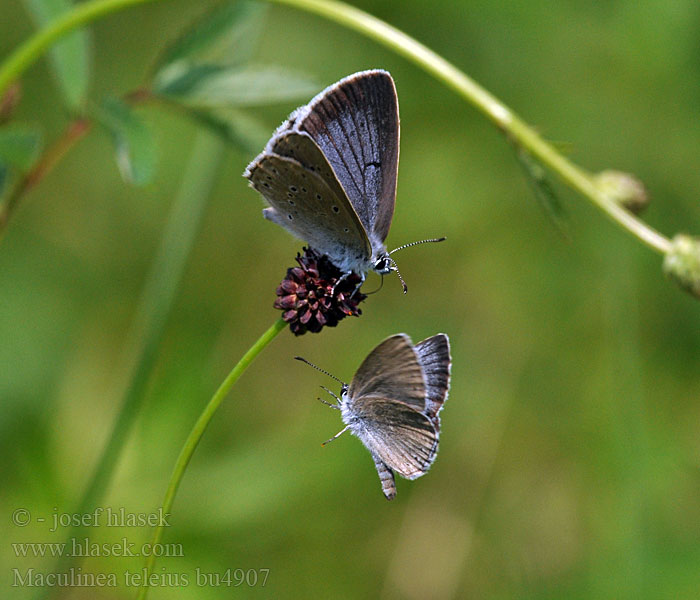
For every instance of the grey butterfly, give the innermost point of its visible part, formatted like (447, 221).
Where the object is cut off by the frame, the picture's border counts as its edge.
(329, 172)
(393, 402)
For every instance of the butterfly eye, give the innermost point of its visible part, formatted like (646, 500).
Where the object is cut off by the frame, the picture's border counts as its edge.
(383, 265)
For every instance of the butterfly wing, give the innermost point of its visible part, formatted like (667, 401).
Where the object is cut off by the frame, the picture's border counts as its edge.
(307, 202)
(355, 123)
(434, 359)
(391, 370)
(404, 439)
(393, 404)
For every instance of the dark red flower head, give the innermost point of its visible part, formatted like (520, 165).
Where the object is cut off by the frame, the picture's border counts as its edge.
(311, 296)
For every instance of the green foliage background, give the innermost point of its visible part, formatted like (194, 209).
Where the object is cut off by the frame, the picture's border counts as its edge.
(570, 456)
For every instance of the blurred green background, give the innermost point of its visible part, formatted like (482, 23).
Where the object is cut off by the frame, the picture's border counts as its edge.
(570, 452)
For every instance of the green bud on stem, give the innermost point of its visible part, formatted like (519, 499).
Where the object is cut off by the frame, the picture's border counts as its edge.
(623, 188)
(682, 263)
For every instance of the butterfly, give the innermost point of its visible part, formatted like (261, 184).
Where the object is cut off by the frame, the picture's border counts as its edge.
(329, 173)
(393, 402)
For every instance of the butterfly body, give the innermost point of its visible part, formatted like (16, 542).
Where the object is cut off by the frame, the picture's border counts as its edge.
(329, 172)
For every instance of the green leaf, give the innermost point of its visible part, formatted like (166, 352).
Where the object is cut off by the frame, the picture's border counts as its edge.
(19, 146)
(544, 192)
(238, 129)
(69, 56)
(225, 35)
(180, 79)
(213, 86)
(133, 142)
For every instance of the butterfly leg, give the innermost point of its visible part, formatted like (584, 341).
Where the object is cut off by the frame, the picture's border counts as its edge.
(322, 401)
(338, 400)
(386, 477)
(336, 436)
(342, 278)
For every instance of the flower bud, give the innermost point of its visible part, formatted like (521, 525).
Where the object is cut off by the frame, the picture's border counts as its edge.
(682, 263)
(623, 188)
(316, 294)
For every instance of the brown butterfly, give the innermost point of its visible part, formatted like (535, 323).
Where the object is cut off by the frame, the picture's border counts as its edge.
(392, 405)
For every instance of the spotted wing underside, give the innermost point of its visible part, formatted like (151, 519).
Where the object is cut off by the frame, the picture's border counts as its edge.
(306, 199)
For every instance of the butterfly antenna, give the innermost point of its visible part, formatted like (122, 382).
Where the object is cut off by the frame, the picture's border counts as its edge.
(319, 369)
(440, 239)
(336, 436)
(394, 267)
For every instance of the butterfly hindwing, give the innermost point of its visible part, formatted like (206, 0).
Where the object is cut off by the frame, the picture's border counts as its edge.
(434, 358)
(402, 437)
(300, 147)
(302, 202)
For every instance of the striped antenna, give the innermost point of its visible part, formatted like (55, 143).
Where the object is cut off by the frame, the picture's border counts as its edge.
(319, 369)
(394, 266)
(441, 239)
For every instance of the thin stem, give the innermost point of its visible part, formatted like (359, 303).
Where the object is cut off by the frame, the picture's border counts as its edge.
(75, 132)
(51, 157)
(31, 50)
(198, 431)
(154, 307)
(489, 105)
(160, 289)
(451, 76)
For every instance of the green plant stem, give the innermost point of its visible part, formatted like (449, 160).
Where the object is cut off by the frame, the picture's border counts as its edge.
(198, 431)
(75, 132)
(161, 288)
(496, 111)
(78, 129)
(154, 307)
(451, 76)
(31, 50)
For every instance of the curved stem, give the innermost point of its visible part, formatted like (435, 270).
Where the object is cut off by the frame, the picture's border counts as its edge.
(31, 50)
(198, 431)
(488, 104)
(145, 336)
(401, 43)
(159, 294)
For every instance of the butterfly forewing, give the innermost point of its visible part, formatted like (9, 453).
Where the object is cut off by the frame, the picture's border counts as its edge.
(434, 358)
(302, 202)
(356, 125)
(392, 371)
